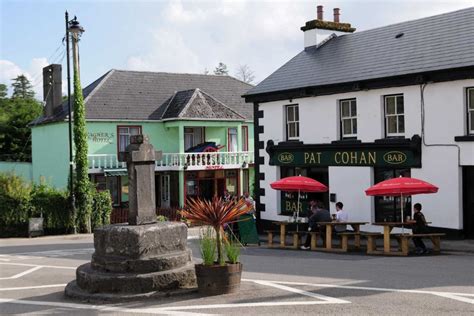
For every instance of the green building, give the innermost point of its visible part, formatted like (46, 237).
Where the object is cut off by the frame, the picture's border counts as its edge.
(200, 123)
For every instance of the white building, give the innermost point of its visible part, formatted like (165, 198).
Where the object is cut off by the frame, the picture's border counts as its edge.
(355, 108)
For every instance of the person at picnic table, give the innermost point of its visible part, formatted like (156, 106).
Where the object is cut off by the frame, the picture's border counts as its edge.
(227, 197)
(341, 216)
(250, 203)
(419, 227)
(319, 215)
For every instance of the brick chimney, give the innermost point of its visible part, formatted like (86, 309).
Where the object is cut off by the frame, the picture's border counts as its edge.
(318, 31)
(52, 84)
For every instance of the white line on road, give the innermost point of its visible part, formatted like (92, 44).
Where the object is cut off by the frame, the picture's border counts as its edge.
(457, 297)
(19, 275)
(36, 265)
(32, 287)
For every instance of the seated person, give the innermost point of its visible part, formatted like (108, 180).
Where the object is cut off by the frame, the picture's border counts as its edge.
(319, 215)
(341, 216)
(419, 227)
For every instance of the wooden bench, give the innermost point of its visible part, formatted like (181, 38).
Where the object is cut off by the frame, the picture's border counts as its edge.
(371, 241)
(270, 234)
(345, 239)
(298, 236)
(405, 238)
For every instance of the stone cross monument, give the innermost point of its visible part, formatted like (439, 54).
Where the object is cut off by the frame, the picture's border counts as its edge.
(140, 159)
(143, 258)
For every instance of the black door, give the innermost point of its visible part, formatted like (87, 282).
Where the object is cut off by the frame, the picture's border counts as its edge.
(468, 203)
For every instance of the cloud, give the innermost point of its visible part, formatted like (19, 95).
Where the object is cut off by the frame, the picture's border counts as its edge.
(34, 73)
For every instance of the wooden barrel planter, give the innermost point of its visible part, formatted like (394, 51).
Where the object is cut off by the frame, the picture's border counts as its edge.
(217, 279)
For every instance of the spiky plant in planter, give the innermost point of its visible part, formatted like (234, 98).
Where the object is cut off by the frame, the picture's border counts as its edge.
(218, 277)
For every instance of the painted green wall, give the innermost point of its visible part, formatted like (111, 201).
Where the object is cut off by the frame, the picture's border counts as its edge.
(21, 169)
(50, 151)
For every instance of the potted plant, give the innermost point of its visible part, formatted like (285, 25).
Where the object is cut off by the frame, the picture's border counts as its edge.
(221, 276)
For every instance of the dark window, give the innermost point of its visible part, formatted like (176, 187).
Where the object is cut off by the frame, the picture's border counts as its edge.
(470, 111)
(193, 136)
(292, 122)
(124, 133)
(348, 123)
(394, 115)
(388, 208)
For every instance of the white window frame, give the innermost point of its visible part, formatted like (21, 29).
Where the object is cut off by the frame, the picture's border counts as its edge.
(126, 134)
(196, 139)
(232, 140)
(295, 122)
(396, 114)
(350, 118)
(470, 111)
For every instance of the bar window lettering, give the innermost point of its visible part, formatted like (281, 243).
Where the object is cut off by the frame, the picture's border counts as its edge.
(348, 110)
(292, 122)
(394, 115)
(470, 110)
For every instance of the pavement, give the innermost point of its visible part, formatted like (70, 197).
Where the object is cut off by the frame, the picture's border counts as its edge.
(33, 273)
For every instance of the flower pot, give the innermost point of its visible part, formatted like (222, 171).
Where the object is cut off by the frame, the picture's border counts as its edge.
(217, 279)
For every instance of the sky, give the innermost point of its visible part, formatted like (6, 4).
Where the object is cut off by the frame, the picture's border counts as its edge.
(185, 36)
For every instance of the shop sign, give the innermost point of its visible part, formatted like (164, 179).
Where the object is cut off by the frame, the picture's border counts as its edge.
(315, 158)
(214, 167)
(101, 137)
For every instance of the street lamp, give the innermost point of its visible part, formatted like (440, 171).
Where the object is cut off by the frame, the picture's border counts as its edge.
(73, 27)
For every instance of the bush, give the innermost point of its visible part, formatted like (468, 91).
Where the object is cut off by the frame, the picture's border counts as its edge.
(55, 207)
(101, 208)
(15, 205)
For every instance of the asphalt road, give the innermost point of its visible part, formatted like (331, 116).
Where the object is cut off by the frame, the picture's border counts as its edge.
(33, 273)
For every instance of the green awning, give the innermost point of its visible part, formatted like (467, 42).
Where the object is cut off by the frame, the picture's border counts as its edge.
(115, 172)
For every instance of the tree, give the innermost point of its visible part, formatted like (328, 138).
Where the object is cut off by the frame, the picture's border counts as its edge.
(3, 91)
(82, 188)
(22, 88)
(221, 70)
(245, 74)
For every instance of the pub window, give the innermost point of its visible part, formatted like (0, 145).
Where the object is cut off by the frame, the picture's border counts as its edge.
(113, 185)
(470, 111)
(193, 136)
(245, 138)
(124, 133)
(292, 122)
(348, 110)
(232, 139)
(394, 115)
(387, 208)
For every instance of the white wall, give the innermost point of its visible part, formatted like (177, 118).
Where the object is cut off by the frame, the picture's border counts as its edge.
(445, 118)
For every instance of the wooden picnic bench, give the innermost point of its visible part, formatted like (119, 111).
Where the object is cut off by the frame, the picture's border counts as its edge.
(345, 239)
(298, 237)
(371, 241)
(270, 234)
(405, 238)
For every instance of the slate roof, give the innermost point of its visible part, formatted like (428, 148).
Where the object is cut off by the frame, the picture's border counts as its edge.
(140, 95)
(439, 42)
(191, 104)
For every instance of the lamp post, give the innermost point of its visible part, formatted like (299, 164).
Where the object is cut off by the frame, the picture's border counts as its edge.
(73, 27)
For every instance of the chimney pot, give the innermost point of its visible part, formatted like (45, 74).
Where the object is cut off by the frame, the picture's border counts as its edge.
(336, 15)
(320, 12)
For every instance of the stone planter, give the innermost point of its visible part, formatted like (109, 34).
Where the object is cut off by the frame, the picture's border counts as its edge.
(217, 279)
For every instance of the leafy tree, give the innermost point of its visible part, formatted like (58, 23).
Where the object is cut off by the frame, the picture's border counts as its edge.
(221, 70)
(82, 184)
(15, 134)
(22, 88)
(3, 91)
(245, 74)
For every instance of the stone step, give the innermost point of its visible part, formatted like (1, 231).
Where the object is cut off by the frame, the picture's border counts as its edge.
(120, 264)
(94, 281)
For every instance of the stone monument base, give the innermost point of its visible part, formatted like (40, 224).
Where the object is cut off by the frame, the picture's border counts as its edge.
(136, 262)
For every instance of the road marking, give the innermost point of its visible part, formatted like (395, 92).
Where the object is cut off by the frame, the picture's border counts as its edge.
(37, 265)
(302, 292)
(46, 254)
(19, 275)
(32, 287)
(103, 308)
(453, 295)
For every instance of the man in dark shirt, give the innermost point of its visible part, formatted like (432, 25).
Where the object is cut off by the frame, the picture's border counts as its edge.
(319, 215)
(419, 227)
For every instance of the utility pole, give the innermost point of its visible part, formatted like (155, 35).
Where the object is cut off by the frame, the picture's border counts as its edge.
(71, 158)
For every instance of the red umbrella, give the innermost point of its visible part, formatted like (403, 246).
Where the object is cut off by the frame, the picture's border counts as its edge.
(298, 184)
(401, 186)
